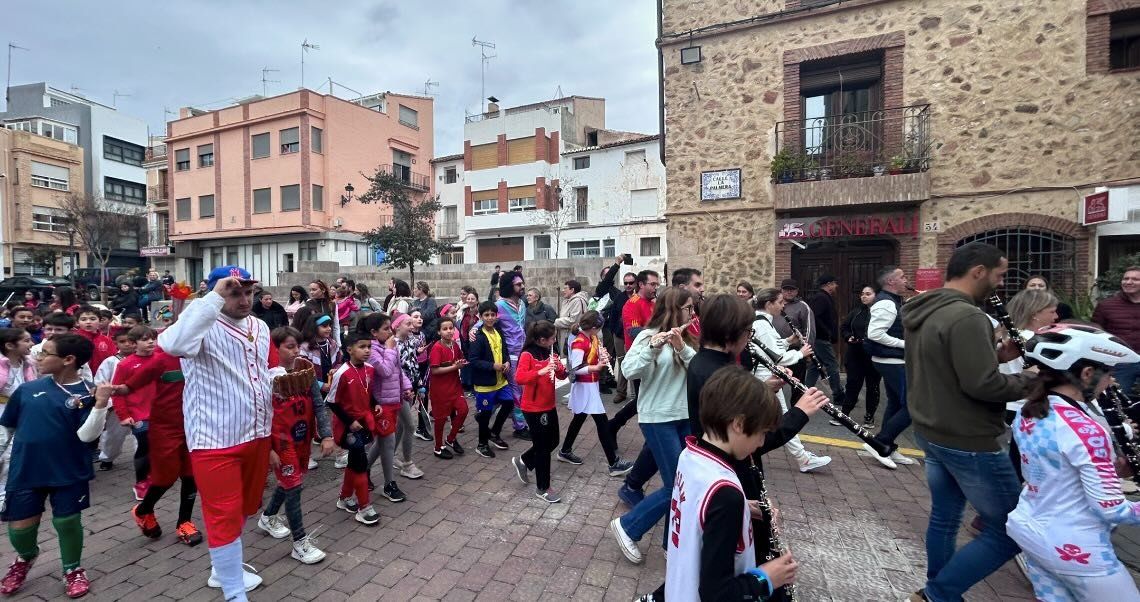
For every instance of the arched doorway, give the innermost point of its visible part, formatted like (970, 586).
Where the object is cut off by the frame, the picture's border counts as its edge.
(1033, 252)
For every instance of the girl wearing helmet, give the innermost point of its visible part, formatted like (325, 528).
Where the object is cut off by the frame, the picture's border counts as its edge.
(1072, 497)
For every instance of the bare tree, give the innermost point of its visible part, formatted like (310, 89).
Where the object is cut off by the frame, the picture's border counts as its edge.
(555, 221)
(45, 258)
(99, 227)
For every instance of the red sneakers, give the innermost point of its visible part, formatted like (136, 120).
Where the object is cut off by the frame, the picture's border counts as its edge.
(17, 574)
(147, 523)
(189, 534)
(140, 489)
(77, 583)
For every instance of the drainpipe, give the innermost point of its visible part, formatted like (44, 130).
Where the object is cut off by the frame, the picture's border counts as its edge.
(660, 83)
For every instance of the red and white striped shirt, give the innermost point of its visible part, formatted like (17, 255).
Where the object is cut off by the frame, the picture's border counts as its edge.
(228, 397)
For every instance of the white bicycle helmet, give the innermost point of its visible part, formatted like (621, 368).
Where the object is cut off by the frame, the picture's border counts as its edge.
(1062, 345)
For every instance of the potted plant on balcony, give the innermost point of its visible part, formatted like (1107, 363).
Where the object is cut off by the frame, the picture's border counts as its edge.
(851, 166)
(784, 163)
(880, 166)
(898, 162)
(809, 167)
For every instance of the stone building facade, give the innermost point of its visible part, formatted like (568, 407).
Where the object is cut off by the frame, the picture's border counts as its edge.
(904, 128)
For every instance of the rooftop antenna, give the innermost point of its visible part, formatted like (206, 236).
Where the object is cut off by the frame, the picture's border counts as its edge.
(75, 89)
(264, 81)
(306, 46)
(428, 85)
(8, 86)
(115, 97)
(558, 92)
(166, 111)
(483, 46)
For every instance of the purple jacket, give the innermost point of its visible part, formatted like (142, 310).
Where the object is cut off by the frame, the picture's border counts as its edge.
(392, 382)
(512, 325)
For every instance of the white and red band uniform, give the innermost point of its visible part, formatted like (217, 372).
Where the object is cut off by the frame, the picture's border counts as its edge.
(699, 475)
(1071, 501)
(228, 399)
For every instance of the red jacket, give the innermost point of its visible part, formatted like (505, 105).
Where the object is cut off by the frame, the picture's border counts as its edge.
(537, 391)
(136, 404)
(104, 347)
(163, 374)
(1121, 317)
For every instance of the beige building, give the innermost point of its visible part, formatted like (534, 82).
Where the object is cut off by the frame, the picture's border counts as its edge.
(836, 137)
(37, 172)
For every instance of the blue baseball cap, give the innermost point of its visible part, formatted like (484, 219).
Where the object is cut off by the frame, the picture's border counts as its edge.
(227, 271)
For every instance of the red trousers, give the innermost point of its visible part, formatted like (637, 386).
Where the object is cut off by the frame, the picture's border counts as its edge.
(355, 482)
(441, 409)
(230, 483)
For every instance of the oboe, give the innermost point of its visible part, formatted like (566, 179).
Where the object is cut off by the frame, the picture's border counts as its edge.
(775, 541)
(1002, 316)
(767, 358)
(1111, 404)
(814, 358)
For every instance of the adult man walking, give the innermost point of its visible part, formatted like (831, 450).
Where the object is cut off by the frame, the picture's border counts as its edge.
(886, 344)
(826, 336)
(226, 355)
(797, 316)
(512, 320)
(574, 305)
(1120, 315)
(614, 335)
(957, 400)
(495, 276)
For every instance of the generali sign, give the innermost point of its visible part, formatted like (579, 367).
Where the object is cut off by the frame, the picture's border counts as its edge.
(1096, 208)
(847, 226)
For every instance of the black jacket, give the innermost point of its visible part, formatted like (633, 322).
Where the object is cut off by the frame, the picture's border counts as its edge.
(540, 311)
(273, 316)
(482, 360)
(855, 324)
(826, 320)
(125, 303)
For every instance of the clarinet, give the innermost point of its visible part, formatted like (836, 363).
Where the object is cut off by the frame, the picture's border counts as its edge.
(1112, 403)
(814, 358)
(1002, 316)
(768, 360)
(775, 541)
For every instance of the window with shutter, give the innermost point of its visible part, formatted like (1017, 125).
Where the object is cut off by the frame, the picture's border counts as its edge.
(262, 200)
(520, 150)
(290, 141)
(291, 198)
(260, 145)
(485, 156)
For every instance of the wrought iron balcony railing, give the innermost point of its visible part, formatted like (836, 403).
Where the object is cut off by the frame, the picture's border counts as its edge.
(853, 145)
(417, 181)
(447, 230)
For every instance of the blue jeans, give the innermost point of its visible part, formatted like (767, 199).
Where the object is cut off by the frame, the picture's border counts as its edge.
(988, 482)
(826, 354)
(665, 441)
(1126, 375)
(896, 418)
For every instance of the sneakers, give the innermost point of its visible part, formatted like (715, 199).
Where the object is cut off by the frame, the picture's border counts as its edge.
(249, 577)
(367, 515)
(869, 422)
(548, 496)
(569, 458)
(347, 504)
(620, 467)
(485, 450)
(898, 458)
(889, 463)
(835, 423)
(813, 462)
(410, 471)
(273, 526)
(306, 552)
(523, 434)
(147, 523)
(77, 583)
(630, 496)
(456, 447)
(393, 493)
(520, 469)
(341, 460)
(105, 465)
(627, 545)
(443, 453)
(17, 574)
(498, 442)
(188, 534)
(313, 464)
(398, 463)
(140, 490)
(1128, 486)
(422, 435)
(918, 596)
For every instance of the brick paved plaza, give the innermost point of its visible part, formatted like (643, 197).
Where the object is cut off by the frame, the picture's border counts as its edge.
(471, 531)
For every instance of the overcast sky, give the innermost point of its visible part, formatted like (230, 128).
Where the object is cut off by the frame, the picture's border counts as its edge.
(206, 53)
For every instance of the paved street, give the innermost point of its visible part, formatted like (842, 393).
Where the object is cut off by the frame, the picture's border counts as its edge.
(471, 531)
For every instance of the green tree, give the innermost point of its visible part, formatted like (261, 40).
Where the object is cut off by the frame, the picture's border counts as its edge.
(409, 238)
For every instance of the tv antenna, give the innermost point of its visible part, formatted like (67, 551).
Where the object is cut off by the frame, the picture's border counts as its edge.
(428, 85)
(306, 46)
(264, 81)
(484, 57)
(115, 97)
(8, 86)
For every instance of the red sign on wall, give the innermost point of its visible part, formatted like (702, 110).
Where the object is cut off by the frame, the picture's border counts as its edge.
(1096, 208)
(838, 227)
(926, 279)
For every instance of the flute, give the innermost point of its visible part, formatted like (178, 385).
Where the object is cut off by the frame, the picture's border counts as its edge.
(823, 375)
(769, 358)
(1002, 316)
(553, 358)
(1111, 404)
(604, 356)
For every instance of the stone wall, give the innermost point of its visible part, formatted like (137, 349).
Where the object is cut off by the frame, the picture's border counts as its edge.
(1012, 107)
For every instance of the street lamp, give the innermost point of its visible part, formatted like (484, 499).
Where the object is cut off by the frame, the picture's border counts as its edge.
(346, 198)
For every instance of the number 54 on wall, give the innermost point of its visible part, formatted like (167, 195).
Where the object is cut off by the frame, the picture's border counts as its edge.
(931, 227)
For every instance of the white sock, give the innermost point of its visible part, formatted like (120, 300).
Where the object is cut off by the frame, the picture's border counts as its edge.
(226, 562)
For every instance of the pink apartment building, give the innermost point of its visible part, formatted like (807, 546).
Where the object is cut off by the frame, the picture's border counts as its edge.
(260, 184)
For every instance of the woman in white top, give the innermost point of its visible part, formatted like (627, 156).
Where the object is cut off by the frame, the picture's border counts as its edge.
(769, 302)
(1030, 310)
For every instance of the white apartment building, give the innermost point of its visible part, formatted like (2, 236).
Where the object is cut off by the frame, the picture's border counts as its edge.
(548, 181)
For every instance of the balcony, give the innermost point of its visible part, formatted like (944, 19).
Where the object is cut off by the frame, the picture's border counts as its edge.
(413, 180)
(447, 230)
(867, 158)
(156, 196)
